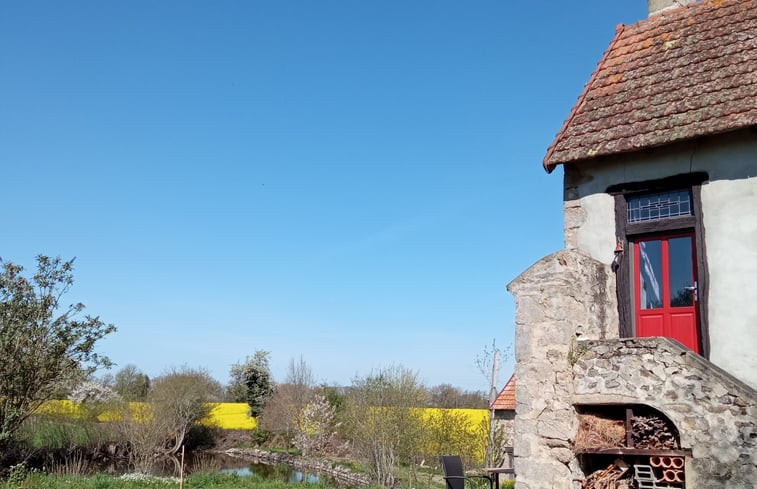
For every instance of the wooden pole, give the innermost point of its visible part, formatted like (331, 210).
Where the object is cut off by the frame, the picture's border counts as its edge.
(181, 469)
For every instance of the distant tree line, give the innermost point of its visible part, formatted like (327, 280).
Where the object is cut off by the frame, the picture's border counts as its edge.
(450, 397)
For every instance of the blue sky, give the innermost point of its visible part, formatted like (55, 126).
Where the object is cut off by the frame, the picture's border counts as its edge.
(350, 181)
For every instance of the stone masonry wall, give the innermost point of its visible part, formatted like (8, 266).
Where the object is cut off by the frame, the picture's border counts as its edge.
(562, 298)
(715, 413)
(568, 353)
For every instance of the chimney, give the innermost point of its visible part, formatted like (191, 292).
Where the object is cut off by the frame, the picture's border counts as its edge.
(657, 6)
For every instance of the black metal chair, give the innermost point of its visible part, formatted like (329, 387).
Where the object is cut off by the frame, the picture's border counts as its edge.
(454, 475)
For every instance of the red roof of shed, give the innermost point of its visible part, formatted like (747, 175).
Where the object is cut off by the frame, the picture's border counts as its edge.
(680, 74)
(505, 401)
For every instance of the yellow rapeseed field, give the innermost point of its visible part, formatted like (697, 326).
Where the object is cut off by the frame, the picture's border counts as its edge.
(230, 416)
(224, 415)
(233, 416)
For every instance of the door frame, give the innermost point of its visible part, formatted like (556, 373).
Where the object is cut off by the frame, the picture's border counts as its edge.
(626, 232)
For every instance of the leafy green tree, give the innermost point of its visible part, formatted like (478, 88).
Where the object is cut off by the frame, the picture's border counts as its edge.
(43, 343)
(131, 384)
(251, 382)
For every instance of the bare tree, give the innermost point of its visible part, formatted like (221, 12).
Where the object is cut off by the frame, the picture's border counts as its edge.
(490, 360)
(451, 397)
(283, 412)
(138, 427)
(300, 376)
(385, 422)
(177, 400)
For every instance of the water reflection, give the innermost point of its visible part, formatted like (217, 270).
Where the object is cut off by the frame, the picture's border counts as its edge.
(278, 472)
(216, 462)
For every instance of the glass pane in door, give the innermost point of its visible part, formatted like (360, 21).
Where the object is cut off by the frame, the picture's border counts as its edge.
(680, 268)
(650, 274)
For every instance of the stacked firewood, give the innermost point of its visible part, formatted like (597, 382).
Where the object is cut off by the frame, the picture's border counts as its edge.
(652, 432)
(608, 478)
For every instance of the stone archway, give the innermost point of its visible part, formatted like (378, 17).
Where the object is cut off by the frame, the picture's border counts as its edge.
(616, 443)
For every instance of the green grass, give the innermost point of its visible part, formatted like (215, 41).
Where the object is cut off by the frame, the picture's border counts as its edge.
(36, 480)
(50, 432)
(206, 481)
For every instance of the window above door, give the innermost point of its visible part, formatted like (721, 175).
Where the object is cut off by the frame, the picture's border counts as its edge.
(659, 205)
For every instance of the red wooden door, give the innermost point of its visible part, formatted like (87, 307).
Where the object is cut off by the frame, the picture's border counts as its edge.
(665, 288)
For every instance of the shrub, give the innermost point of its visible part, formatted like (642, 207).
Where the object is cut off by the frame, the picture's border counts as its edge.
(385, 423)
(317, 428)
(177, 401)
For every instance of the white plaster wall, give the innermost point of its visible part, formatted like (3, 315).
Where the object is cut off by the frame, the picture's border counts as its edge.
(730, 221)
(729, 212)
(596, 237)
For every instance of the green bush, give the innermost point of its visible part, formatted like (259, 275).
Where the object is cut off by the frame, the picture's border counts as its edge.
(260, 437)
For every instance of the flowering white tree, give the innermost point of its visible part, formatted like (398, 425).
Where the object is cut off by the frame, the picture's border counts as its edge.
(317, 428)
(91, 391)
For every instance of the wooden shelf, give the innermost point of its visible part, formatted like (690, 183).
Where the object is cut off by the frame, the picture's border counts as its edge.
(650, 452)
(629, 449)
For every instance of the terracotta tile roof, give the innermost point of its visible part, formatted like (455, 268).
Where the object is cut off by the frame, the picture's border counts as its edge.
(680, 74)
(505, 400)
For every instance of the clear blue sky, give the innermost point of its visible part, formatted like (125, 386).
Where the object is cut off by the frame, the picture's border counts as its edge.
(351, 181)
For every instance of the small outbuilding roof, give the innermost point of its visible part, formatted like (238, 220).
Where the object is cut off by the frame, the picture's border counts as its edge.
(505, 400)
(681, 74)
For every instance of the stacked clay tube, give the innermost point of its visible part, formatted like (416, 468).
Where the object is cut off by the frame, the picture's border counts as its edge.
(672, 467)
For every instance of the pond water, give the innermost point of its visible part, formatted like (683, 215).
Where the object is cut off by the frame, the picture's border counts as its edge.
(218, 462)
(273, 472)
(194, 463)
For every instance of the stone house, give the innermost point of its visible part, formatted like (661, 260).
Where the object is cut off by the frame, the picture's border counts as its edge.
(636, 354)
